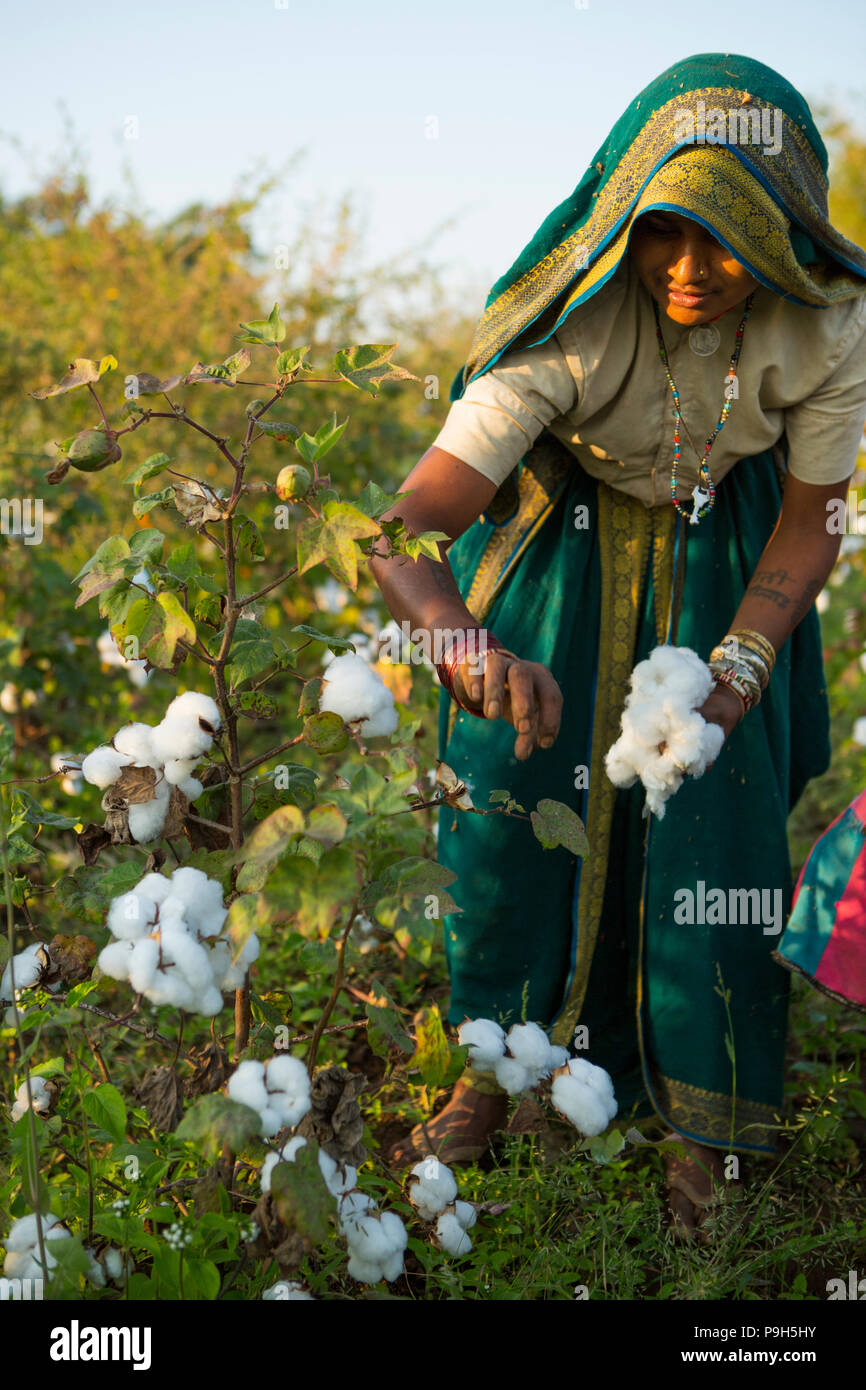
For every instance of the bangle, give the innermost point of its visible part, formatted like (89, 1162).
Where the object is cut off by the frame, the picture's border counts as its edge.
(446, 668)
(728, 679)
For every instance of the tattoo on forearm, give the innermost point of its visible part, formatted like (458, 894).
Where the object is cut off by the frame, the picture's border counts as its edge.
(771, 577)
(807, 598)
(771, 595)
(442, 576)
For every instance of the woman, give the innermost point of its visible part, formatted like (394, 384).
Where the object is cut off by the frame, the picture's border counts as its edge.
(663, 395)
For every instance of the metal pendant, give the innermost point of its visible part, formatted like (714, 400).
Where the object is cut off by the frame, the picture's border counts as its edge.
(704, 339)
(700, 497)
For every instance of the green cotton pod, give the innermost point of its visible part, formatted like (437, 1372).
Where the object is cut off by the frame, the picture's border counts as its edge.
(94, 449)
(293, 482)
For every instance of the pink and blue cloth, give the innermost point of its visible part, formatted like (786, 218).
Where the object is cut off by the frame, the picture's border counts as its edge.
(825, 937)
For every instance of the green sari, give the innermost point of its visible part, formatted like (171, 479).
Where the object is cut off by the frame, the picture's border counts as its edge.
(689, 1019)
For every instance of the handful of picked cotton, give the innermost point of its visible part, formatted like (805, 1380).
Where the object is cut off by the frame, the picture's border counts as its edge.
(666, 692)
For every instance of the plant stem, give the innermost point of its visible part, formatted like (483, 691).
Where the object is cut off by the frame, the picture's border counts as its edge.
(335, 990)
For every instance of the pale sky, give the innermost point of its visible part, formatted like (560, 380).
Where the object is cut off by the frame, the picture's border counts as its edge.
(517, 97)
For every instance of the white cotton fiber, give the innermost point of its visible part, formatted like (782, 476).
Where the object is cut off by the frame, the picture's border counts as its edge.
(288, 1086)
(451, 1235)
(512, 1075)
(584, 1094)
(143, 963)
(666, 691)
(103, 766)
(433, 1187)
(203, 898)
(27, 967)
(339, 1178)
(154, 886)
(131, 915)
(136, 741)
(146, 819)
(485, 1040)
(180, 740)
(178, 770)
(191, 787)
(40, 1098)
(210, 1002)
(247, 1085)
(529, 1045)
(285, 1155)
(356, 691)
(114, 959)
(193, 706)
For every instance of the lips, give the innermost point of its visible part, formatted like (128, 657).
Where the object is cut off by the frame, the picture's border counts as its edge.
(687, 299)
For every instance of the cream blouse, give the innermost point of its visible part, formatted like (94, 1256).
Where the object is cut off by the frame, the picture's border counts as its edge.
(599, 386)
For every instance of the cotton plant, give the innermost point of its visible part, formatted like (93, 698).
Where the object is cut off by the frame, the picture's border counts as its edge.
(173, 748)
(355, 691)
(28, 966)
(169, 943)
(433, 1194)
(277, 1090)
(375, 1239)
(665, 695)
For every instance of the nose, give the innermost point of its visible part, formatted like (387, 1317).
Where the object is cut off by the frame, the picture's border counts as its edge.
(689, 268)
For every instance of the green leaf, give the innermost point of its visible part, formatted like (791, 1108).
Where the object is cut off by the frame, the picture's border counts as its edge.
(605, 1147)
(331, 541)
(327, 824)
(28, 808)
(291, 361)
(386, 1030)
(556, 824)
(335, 643)
(225, 373)
(271, 330)
(151, 466)
(432, 1054)
(177, 626)
(273, 836)
(252, 652)
(105, 1106)
(200, 1276)
(249, 546)
(142, 505)
(302, 1201)
(313, 447)
(255, 704)
(373, 501)
(215, 1120)
(367, 365)
(146, 544)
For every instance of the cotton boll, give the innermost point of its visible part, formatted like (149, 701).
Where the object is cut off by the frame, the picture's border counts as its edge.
(23, 1233)
(288, 1086)
(367, 1237)
(451, 1236)
(485, 1040)
(40, 1098)
(136, 741)
(597, 1079)
(286, 1154)
(287, 1290)
(27, 967)
(352, 1206)
(146, 819)
(247, 1085)
(365, 1271)
(203, 898)
(154, 886)
(179, 770)
(529, 1045)
(114, 959)
(103, 766)
(434, 1187)
(170, 988)
(385, 721)
(180, 740)
(191, 787)
(114, 1263)
(579, 1104)
(466, 1214)
(192, 705)
(512, 1076)
(190, 958)
(713, 738)
(392, 1267)
(131, 915)
(143, 964)
(558, 1057)
(648, 720)
(339, 1179)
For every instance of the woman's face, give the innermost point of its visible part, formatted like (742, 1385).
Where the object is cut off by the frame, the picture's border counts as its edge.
(690, 274)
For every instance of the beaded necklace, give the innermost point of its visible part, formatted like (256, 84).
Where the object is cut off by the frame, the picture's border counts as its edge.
(703, 496)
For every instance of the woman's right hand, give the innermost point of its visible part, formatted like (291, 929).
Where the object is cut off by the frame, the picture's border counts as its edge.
(524, 693)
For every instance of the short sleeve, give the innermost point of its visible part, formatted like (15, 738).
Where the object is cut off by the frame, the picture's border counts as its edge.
(501, 413)
(825, 432)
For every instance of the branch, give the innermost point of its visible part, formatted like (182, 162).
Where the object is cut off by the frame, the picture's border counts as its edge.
(272, 753)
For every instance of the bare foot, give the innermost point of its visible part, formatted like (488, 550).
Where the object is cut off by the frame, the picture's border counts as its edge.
(459, 1133)
(690, 1186)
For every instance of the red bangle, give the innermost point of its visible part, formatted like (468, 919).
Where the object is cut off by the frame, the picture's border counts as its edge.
(447, 666)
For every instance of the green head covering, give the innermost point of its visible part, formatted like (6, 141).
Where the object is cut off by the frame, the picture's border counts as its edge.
(718, 138)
